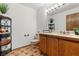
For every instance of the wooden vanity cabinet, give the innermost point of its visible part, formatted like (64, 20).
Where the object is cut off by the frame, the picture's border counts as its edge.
(52, 46)
(68, 48)
(59, 46)
(43, 43)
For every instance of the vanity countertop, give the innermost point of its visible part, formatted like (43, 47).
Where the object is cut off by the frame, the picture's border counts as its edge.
(60, 35)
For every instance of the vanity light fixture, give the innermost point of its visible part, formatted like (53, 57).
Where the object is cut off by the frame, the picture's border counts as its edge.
(56, 6)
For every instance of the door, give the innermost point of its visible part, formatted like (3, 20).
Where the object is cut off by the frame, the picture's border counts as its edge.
(72, 21)
(52, 46)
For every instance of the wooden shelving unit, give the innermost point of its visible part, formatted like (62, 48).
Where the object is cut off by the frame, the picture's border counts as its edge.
(5, 35)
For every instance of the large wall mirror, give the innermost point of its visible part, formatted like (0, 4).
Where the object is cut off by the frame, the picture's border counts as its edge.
(72, 21)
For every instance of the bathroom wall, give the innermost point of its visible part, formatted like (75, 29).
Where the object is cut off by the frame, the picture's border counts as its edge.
(60, 19)
(41, 19)
(23, 22)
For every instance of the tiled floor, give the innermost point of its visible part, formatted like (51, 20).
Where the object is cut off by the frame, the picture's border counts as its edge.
(30, 50)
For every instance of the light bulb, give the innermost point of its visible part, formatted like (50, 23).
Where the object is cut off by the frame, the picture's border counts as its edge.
(56, 5)
(52, 7)
(60, 4)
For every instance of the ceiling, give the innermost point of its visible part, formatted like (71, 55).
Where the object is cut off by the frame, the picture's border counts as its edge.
(38, 5)
(49, 5)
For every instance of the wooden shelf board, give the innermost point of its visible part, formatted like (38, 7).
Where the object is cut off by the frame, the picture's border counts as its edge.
(5, 42)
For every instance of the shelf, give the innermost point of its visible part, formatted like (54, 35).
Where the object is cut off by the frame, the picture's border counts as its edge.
(5, 42)
(4, 17)
(5, 33)
(51, 24)
(5, 25)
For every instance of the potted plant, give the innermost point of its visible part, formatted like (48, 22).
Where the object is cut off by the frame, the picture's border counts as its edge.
(76, 30)
(4, 8)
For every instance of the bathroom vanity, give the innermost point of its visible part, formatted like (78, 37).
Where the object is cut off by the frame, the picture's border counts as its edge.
(57, 44)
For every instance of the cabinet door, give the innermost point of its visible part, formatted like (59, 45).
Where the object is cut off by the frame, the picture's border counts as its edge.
(68, 48)
(43, 43)
(52, 46)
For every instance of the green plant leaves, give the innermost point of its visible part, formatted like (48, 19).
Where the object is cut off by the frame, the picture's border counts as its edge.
(76, 30)
(3, 8)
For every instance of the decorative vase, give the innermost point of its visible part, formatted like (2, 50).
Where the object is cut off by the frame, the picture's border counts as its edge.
(3, 14)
